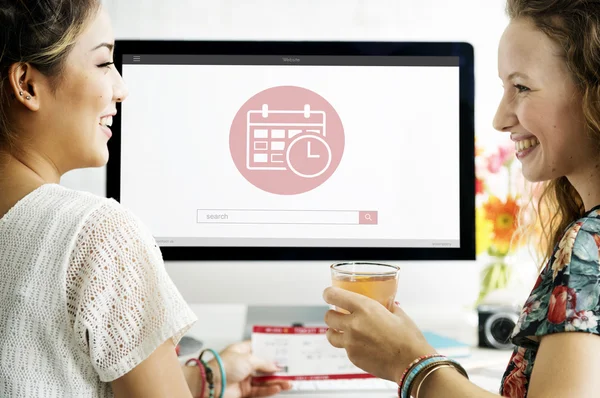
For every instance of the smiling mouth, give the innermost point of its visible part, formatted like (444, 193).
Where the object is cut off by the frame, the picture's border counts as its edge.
(106, 121)
(522, 145)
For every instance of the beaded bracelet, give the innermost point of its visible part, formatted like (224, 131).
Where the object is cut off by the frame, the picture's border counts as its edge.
(411, 366)
(210, 379)
(423, 366)
(414, 371)
(432, 368)
(202, 374)
(221, 369)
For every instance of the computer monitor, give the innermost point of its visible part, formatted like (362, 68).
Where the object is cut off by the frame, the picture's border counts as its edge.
(331, 151)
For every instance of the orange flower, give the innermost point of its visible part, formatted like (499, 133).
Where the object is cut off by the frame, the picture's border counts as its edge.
(479, 151)
(504, 216)
(479, 186)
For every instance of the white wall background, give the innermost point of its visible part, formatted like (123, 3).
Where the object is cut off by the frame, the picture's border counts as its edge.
(478, 22)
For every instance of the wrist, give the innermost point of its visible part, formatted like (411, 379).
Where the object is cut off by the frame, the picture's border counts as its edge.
(429, 387)
(214, 366)
(193, 377)
(410, 359)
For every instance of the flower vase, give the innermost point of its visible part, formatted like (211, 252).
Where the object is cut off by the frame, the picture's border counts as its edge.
(495, 275)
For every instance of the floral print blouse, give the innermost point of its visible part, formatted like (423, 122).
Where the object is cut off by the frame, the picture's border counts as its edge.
(565, 298)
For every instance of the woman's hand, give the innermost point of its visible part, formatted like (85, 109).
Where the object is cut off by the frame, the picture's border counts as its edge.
(378, 341)
(240, 365)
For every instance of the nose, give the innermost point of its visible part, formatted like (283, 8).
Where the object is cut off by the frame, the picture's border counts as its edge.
(120, 90)
(505, 118)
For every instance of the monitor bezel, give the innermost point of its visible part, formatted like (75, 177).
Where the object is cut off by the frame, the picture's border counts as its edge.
(463, 50)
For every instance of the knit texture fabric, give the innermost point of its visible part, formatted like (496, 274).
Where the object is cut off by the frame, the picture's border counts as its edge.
(84, 295)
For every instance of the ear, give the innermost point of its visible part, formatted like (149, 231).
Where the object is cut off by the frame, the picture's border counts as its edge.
(24, 83)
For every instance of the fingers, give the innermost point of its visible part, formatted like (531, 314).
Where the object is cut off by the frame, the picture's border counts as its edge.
(345, 299)
(336, 320)
(267, 391)
(335, 338)
(396, 310)
(262, 366)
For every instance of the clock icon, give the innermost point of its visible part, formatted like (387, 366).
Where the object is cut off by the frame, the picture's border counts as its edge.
(308, 156)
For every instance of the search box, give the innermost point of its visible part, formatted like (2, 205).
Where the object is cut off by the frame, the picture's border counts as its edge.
(314, 217)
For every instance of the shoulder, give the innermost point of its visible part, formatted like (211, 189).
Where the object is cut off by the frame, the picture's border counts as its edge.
(95, 214)
(576, 254)
(59, 202)
(566, 296)
(113, 229)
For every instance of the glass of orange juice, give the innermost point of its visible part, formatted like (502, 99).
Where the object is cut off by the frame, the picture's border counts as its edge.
(375, 280)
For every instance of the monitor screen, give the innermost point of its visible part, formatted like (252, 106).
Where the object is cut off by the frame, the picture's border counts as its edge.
(292, 151)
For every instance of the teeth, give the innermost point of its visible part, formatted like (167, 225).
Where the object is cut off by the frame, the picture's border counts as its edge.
(525, 144)
(106, 121)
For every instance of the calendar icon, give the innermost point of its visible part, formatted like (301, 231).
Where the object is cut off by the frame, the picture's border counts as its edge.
(271, 136)
(287, 140)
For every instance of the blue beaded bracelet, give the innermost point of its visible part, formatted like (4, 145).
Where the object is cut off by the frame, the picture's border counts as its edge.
(221, 369)
(405, 388)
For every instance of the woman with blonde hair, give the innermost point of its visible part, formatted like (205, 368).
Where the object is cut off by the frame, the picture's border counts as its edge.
(549, 63)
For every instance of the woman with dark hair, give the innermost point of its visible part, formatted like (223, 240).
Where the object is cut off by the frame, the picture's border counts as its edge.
(549, 63)
(86, 307)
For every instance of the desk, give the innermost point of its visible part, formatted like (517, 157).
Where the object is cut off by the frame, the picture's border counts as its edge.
(220, 325)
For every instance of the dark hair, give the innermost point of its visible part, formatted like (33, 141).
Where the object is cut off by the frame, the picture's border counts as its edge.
(41, 33)
(575, 26)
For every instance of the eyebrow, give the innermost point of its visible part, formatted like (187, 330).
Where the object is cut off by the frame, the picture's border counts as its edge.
(517, 74)
(110, 46)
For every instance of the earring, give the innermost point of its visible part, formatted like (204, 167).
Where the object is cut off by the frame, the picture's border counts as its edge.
(28, 97)
(21, 93)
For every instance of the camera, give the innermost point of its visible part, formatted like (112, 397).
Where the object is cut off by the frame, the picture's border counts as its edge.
(496, 325)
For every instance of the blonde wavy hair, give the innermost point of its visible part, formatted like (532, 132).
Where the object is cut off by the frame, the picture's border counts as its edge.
(575, 26)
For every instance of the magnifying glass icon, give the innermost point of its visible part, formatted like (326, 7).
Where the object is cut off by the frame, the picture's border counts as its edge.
(368, 217)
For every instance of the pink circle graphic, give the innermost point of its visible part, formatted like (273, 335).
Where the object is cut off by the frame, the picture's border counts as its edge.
(287, 140)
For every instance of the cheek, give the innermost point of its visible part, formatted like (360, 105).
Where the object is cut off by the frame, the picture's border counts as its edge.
(88, 96)
(103, 94)
(551, 124)
(96, 91)
(534, 118)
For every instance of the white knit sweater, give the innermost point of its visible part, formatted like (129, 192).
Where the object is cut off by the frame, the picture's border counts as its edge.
(84, 295)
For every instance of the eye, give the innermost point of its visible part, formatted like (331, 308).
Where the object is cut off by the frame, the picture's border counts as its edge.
(106, 65)
(521, 88)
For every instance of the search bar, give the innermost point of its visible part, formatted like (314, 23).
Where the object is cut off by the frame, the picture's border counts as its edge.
(314, 217)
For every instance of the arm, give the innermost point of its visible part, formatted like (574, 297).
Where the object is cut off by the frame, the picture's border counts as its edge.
(129, 316)
(160, 375)
(562, 313)
(388, 349)
(567, 365)
(447, 382)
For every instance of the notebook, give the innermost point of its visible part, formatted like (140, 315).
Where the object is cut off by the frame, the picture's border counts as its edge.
(447, 346)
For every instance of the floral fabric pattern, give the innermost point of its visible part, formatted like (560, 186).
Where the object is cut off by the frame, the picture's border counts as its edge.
(565, 298)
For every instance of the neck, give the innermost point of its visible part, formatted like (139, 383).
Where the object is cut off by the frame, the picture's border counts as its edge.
(28, 167)
(587, 185)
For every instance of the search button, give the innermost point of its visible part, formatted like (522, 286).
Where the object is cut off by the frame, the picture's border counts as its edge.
(367, 217)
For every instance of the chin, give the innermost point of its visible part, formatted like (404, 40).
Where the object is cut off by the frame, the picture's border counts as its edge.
(534, 176)
(99, 159)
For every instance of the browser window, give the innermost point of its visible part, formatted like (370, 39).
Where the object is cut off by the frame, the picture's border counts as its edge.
(283, 151)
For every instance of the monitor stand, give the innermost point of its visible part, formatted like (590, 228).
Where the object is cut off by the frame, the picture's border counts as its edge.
(284, 316)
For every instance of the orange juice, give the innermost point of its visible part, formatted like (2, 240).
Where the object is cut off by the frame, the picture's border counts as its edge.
(379, 288)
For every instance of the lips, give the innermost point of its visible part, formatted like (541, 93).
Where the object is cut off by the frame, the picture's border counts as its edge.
(106, 121)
